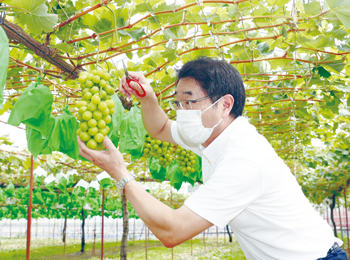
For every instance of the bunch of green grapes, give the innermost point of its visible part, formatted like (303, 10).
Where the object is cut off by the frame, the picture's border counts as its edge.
(95, 107)
(186, 159)
(163, 151)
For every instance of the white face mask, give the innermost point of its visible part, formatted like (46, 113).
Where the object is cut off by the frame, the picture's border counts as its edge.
(190, 127)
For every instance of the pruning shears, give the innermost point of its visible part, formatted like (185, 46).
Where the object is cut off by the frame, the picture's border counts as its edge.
(130, 79)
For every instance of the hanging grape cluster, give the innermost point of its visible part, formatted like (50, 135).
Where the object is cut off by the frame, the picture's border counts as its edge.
(95, 108)
(186, 159)
(163, 151)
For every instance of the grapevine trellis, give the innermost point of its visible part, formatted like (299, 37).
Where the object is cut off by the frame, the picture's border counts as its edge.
(293, 57)
(281, 90)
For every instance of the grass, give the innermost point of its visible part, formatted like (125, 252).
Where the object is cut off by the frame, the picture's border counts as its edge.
(41, 249)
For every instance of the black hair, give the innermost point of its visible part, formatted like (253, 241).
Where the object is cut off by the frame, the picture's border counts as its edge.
(217, 78)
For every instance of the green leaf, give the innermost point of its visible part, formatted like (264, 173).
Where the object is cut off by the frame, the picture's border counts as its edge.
(169, 53)
(342, 9)
(337, 67)
(342, 88)
(317, 43)
(323, 72)
(284, 32)
(263, 48)
(312, 8)
(65, 47)
(39, 19)
(278, 2)
(134, 34)
(29, 5)
(4, 62)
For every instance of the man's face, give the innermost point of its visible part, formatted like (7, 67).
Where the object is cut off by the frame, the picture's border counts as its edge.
(188, 89)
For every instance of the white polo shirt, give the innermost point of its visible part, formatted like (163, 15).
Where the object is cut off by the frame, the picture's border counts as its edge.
(248, 187)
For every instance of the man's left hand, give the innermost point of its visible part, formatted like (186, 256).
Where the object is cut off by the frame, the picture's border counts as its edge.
(110, 160)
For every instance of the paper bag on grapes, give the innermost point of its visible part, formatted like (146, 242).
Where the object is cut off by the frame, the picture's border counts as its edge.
(156, 170)
(33, 108)
(117, 118)
(63, 136)
(132, 134)
(174, 175)
(38, 143)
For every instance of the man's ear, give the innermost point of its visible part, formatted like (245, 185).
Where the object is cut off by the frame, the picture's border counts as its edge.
(227, 104)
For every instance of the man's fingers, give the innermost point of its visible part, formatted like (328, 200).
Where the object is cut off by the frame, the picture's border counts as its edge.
(88, 153)
(108, 144)
(126, 90)
(82, 148)
(136, 86)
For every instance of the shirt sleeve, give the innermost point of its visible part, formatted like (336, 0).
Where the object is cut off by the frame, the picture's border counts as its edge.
(234, 185)
(179, 141)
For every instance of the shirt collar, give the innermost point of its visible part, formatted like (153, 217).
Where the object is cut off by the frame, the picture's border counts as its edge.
(212, 151)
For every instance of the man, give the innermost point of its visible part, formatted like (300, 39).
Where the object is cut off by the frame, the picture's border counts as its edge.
(246, 184)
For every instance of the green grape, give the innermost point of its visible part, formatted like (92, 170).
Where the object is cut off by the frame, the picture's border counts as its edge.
(186, 160)
(95, 107)
(163, 151)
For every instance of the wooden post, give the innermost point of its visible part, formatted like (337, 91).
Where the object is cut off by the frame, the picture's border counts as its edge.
(341, 226)
(191, 246)
(146, 241)
(346, 214)
(133, 236)
(204, 239)
(82, 232)
(103, 215)
(64, 234)
(29, 221)
(327, 215)
(94, 245)
(224, 236)
(117, 232)
(217, 236)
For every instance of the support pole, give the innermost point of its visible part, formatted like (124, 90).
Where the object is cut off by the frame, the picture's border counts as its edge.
(65, 234)
(29, 221)
(133, 236)
(146, 241)
(341, 226)
(103, 214)
(204, 239)
(191, 246)
(217, 236)
(346, 214)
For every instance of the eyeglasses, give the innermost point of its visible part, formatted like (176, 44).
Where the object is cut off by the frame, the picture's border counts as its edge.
(184, 104)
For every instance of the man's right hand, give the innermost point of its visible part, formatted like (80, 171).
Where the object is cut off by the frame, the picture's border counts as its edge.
(128, 91)
(154, 118)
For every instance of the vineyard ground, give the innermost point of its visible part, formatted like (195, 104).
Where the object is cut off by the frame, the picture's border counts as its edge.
(41, 249)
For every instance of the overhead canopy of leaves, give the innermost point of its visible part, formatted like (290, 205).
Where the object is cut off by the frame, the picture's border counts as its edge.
(294, 63)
